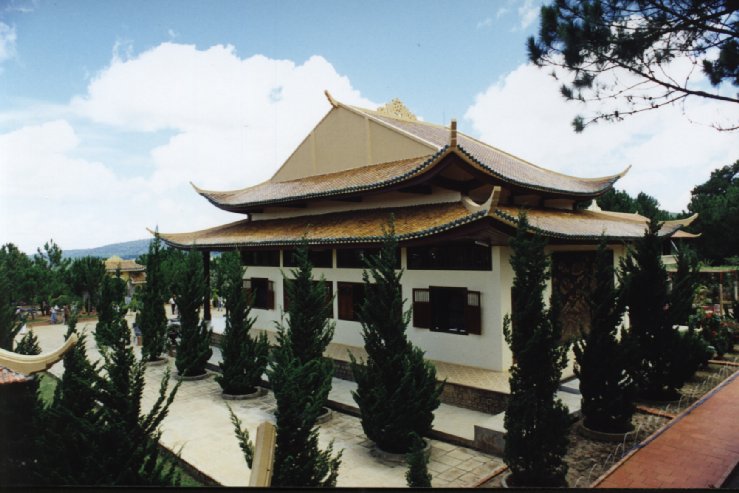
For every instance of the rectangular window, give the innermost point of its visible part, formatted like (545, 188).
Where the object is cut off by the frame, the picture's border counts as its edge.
(354, 258)
(445, 309)
(351, 297)
(329, 294)
(452, 256)
(319, 258)
(263, 292)
(260, 258)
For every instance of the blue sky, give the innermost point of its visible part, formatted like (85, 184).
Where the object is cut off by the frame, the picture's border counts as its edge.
(109, 109)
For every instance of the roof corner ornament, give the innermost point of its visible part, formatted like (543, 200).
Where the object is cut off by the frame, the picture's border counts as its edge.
(330, 98)
(396, 109)
(30, 364)
(453, 134)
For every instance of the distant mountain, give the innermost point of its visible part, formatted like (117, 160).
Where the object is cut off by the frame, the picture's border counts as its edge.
(125, 250)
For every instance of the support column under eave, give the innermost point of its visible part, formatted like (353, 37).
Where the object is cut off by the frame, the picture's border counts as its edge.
(206, 275)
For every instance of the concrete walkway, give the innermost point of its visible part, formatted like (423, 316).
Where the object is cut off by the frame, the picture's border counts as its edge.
(198, 427)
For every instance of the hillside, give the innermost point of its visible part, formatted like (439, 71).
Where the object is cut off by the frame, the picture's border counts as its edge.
(125, 250)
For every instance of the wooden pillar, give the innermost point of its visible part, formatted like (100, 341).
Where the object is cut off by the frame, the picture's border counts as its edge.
(206, 274)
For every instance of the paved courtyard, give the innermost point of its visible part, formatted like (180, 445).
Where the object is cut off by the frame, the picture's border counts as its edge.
(199, 428)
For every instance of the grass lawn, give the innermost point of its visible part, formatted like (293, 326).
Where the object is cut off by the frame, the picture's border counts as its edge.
(47, 384)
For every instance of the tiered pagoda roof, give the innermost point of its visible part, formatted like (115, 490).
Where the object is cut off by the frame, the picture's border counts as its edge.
(474, 165)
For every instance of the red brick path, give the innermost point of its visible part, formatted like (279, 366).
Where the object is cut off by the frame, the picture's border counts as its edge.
(698, 449)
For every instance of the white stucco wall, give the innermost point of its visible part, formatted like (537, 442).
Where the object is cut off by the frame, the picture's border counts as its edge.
(483, 351)
(488, 350)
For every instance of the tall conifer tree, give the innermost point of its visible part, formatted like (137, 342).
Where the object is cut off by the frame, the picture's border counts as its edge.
(606, 387)
(301, 380)
(244, 357)
(536, 421)
(153, 317)
(397, 391)
(193, 349)
(652, 338)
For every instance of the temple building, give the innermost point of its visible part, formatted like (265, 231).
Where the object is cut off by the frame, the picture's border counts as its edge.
(455, 202)
(132, 273)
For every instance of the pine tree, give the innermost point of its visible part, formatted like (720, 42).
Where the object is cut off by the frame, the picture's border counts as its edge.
(651, 336)
(110, 303)
(417, 475)
(397, 391)
(536, 421)
(607, 389)
(301, 380)
(244, 357)
(193, 349)
(153, 322)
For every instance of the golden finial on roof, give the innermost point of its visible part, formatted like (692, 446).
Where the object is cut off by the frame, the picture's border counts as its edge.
(397, 109)
(453, 134)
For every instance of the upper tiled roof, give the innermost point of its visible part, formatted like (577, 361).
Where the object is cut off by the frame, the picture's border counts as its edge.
(328, 185)
(499, 163)
(488, 159)
(415, 222)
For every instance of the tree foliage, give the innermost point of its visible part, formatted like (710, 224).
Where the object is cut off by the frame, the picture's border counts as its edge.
(93, 432)
(193, 348)
(10, 324)
(51, 269)
(629, 52)
(397, 391)
(607, 389)
(717, 203)
(19, 270)
(301, 380)
(244, 357)
(153, 321)
(652, 339)
(110, 308)
(536, 421)
(85, 277)
(620, 201)
(417, 475)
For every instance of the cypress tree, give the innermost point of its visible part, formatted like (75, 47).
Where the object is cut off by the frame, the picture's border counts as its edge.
(193, 349)
(153, 322)
(692, 350)
(244, 357)
(417, 475)
(397, 391)
(301, 380)
(110, 303)
(28, 344)
(93, 433)
(651, 336)
(607, 389)
(536, 421)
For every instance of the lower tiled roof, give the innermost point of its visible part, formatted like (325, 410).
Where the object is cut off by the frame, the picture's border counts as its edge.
(8, 376)
(411, 223)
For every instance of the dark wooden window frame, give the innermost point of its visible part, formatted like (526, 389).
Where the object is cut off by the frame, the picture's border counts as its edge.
(317, 258)
(423, 318)
(346, 292)
(251, 293)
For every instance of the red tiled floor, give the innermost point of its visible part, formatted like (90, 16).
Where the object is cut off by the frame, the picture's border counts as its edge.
(698, 449)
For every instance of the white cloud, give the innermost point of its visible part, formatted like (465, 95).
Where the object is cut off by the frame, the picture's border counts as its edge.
(7, 41)
(231, 122)
(524, 114)
(486, 23)
(528, 11)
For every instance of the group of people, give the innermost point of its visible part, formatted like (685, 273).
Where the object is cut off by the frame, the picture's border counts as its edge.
(59, 315)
